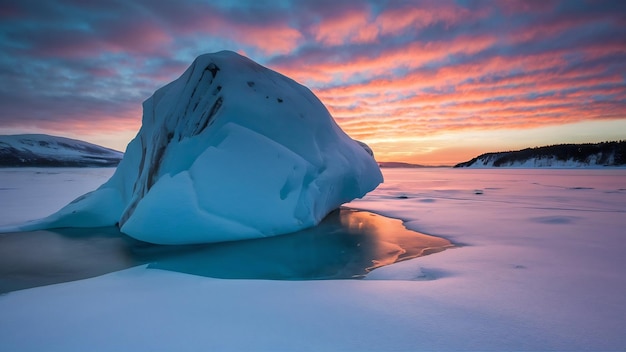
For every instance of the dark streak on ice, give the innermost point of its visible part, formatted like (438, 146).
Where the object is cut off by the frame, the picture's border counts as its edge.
(212, 68)
(142, 162)
(208, 116)
(155, 165)
(149, 166)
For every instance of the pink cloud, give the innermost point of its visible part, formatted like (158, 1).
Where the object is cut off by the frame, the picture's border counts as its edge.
(136, 36)
(486, 96)
(354, 26)
(388, 71)
(271, 38)
(415, 17)
(411, 56)
(358, 25)
(279, 38)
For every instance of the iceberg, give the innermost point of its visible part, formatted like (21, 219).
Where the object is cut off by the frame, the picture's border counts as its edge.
(231, 150)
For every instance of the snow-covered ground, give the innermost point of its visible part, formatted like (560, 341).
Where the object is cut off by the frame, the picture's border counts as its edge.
(541, 267)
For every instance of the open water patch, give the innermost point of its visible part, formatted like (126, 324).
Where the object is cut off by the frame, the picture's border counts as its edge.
(347, 244)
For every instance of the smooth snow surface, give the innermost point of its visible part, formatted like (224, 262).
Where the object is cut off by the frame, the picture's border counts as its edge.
(28, 193)
(230, 150)
(541, 269)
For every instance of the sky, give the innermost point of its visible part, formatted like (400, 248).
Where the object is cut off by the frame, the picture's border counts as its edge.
(429, 82)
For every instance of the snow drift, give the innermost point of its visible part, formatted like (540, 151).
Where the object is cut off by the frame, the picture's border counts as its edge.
(230, 150)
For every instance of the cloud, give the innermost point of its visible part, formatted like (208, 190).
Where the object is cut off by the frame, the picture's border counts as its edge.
(354, 26)
(393, 70)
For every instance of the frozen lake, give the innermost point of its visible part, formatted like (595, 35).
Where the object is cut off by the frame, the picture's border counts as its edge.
(540, 268)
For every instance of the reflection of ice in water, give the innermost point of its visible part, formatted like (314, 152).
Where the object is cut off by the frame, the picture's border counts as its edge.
(347, 244)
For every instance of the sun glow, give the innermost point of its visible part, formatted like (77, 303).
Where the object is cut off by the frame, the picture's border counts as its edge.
(416, 80)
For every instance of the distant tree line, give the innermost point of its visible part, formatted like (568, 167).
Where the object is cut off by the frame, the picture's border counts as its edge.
(581, 153)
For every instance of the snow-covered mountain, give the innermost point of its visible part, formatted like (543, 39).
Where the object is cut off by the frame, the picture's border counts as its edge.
(45, 150)
(559, 156)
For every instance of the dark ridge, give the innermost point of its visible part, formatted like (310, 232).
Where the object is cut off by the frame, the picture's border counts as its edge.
(142, 163)
(213, 69)
(208, 116)
(155, 164)
(152, 172)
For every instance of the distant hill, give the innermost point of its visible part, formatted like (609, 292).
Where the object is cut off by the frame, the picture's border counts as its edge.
(41, 150)
(561, 155)
(392, 164)
(397, 164)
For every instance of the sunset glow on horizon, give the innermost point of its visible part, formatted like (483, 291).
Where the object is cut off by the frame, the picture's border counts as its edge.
(427, 82)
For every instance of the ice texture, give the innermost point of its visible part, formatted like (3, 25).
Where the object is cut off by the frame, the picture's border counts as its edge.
(230, 150)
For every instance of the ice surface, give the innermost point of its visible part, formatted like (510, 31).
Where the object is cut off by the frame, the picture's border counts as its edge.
(29, 193)
(347, 244)
(230, 150)
(541, 269)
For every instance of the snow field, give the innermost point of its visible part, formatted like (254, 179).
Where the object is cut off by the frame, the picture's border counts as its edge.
(540, 268)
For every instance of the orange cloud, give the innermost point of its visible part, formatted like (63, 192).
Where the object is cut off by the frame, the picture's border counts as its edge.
(481, 95)
(391, 73)
(358, 25)
(410, 56)
(270, 39)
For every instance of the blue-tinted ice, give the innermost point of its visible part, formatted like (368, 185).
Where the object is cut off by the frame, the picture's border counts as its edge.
(347, 244)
